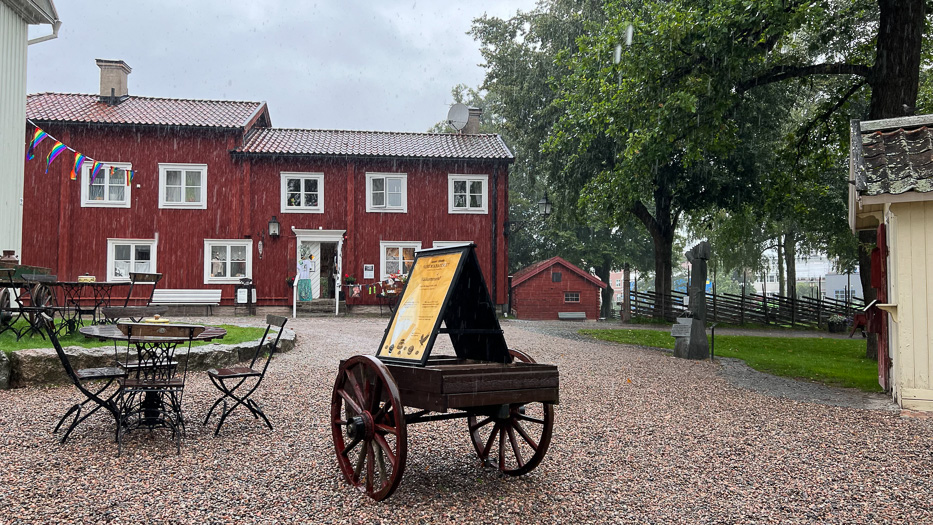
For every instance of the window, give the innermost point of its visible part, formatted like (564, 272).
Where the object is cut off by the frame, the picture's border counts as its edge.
(571, 297)
(130, 255)
(387, 192)
(108, 189)
(227, 261)
(618, 283)
(397, 257)
(183, 186)
(466, 193)
(302, 192)
(840, 295)
(555, 277)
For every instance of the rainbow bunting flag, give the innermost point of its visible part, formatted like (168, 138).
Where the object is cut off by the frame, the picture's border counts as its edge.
(38, 137)
(129, 176)
(57, 149)
(97, 166)
(79, 160)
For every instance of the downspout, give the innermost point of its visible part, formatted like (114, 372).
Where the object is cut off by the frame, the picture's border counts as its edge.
(495, 224)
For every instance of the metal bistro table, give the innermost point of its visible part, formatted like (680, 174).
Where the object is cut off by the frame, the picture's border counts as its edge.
(82, 298)
(152, 391)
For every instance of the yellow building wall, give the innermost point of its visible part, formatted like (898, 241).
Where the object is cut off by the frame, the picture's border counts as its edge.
(910, 241)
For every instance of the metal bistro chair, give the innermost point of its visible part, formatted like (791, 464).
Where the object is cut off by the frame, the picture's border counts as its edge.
(102, 379)
(35, 299)
(136, 313)
(153, 389)
(9, 311)
(228, 380)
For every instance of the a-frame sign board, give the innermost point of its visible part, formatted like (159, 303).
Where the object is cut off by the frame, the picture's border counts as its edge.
(445, 286)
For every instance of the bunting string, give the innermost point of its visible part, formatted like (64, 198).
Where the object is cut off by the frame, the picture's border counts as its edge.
(79, 158)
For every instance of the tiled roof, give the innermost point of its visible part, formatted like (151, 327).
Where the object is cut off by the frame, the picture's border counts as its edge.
(895, 161)
(141, 111)
(530, 271)
(274, 141)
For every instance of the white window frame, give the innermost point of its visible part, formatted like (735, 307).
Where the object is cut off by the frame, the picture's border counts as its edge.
(370, 207)
(393, 244)
(568, 297)
(111, 254)
(456, 177)
(285, 176)
(86, 201)
(210, 243)
(201, 204)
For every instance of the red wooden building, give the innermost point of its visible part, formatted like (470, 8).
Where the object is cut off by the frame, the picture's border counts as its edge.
(555, 289)
(211, 178)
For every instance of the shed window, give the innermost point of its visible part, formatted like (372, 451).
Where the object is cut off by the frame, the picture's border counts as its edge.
(571, 297)
(555, 277)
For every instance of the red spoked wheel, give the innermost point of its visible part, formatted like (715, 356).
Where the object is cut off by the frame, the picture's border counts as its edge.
(368, 425)
(516, 437)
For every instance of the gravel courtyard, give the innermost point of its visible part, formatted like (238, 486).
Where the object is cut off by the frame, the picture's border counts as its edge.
(640, 437)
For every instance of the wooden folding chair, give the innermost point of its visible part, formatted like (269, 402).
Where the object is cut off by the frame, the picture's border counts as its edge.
(228, 380)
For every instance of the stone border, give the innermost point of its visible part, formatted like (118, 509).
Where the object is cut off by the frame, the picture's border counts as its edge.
(41, 366)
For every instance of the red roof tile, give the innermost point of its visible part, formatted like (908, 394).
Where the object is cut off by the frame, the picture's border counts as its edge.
(141, 110)
(374, 143)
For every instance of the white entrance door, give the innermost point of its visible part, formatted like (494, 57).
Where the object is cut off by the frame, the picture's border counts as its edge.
(309, 250)
(309, 243)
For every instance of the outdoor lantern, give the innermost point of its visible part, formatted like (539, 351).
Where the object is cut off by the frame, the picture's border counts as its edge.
(544, 206)
(273, 227)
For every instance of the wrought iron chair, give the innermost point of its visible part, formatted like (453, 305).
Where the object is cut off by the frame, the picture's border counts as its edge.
(93, 383)
(153, 388)
(9, 311)
(136, 313)
(35, 299)
(228, 380)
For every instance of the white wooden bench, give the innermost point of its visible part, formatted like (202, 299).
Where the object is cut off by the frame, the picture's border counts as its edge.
(180, 297)
(571, 316)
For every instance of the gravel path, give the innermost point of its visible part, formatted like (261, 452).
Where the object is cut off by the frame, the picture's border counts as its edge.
(640, 437)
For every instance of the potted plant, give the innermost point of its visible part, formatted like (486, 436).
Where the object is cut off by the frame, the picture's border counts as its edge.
(837, 323)
(349, 279)
(290, 281)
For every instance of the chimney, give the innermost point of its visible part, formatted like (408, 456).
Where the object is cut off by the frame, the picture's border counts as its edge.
(472, 125)
(113, 89)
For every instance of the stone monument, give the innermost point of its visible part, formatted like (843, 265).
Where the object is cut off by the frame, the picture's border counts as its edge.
(695, 346)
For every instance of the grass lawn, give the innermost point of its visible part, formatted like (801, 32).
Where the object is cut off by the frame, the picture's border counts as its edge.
(836, 362)
(8, 342)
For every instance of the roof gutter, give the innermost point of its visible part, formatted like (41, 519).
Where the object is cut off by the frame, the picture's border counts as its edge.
(54, 20)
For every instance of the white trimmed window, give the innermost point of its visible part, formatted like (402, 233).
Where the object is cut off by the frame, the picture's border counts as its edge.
(387, 192)
(397, 256)
(571, 297)
(227, 261)
(108, 189)
(302, 192)
(130, 255)
(183, 186)
(467, 193)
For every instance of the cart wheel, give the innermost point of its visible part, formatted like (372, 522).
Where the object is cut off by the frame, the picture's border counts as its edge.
(6, 307)
(520, 437)
(368, 424)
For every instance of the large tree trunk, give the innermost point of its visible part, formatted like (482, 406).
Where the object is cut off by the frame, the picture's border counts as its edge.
(780, 265)
(661, 226)
(895, 80)
(790, 263)
(602, 271)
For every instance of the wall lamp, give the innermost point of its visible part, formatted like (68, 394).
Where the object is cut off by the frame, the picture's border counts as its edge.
(544, 210)
(274, 227)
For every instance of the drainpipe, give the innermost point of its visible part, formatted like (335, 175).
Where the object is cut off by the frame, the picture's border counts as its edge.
(495, 223)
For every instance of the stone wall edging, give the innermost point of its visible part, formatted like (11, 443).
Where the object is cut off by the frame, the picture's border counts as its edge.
(41, 366)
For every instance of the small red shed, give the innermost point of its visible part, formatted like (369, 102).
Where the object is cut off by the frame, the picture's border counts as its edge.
(555, 289)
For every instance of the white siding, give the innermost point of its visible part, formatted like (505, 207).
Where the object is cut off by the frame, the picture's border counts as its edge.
(911, 266)
(13, 37)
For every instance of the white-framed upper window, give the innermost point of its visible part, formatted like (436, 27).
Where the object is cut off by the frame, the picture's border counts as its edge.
(396, 257)
(109, 189)
(183, 186)
(467, 193)
(302, 192)
(130, 255)
(227, 261)
(387, 192)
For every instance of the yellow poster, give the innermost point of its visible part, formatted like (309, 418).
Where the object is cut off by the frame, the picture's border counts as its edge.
(413, 325)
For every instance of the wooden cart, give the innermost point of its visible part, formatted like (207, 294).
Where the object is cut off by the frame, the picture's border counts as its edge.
(506, 398)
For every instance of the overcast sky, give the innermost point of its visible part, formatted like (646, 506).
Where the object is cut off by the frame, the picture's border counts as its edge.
(344, 64)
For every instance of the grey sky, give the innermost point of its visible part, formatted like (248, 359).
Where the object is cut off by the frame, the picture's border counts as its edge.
(344, 64)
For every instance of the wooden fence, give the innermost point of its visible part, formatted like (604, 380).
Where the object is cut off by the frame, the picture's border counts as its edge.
(804, 312)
